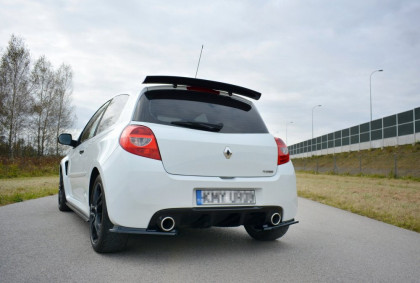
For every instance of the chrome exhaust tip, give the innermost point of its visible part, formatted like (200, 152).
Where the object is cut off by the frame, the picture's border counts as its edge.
(167, 224)
(275, 219)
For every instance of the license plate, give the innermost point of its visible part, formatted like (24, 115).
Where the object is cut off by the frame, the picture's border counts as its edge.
(206, 197)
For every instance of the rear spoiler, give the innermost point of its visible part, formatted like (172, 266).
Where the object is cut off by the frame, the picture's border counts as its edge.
(184, 81)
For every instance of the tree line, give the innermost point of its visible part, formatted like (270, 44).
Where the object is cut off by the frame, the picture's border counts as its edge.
(35, 102)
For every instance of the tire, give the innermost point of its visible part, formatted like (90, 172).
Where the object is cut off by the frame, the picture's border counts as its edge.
(62, 206)
(102, 240)
(268, 235)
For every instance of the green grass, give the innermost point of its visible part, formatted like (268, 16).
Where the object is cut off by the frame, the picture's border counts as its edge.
(20, 189)
(29, 167)
(374, 163)
(393, 201)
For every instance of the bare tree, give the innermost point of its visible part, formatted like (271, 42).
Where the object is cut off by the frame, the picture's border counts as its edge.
(64, 110)
(3, 90)
(41, 96)
(43, 91)
(14, 87)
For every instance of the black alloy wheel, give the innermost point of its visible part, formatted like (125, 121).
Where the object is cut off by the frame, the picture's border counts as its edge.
(102, 240)
(96, 213)
(62, 206)
(266, 235)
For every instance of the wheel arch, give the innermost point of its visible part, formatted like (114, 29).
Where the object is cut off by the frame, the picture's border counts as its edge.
(95, 173)
(64, 163)
(63, 173)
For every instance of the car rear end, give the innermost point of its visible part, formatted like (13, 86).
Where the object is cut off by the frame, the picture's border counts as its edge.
(197, 157)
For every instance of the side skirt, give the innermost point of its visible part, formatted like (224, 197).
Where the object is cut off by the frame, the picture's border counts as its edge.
(78, 211)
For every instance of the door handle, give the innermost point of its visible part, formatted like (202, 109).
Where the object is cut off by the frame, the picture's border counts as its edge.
(81, 151)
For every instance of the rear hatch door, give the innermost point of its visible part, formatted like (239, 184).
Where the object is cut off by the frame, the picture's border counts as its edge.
(207, 134)
(200, 153)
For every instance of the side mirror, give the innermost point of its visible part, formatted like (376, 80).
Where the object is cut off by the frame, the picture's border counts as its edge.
(66, 139)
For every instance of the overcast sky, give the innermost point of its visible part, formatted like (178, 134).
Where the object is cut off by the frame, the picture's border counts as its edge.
(298, 54)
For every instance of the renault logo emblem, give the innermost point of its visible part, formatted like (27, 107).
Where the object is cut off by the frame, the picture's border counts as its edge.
(227, 152)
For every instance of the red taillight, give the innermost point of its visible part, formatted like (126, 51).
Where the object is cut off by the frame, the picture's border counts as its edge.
(140, 140)
(203, 89)
(283, 152)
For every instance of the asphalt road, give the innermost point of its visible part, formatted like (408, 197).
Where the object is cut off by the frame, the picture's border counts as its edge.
(40, 244)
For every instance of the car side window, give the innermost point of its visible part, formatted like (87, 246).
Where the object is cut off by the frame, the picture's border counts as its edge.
(112, 113)
(89, 130)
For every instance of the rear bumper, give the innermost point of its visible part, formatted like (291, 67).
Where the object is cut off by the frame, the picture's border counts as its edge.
(219, 217)
(137, 189)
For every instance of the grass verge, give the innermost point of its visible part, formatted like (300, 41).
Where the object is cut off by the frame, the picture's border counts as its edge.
(394, 162)
(29, 167)
(393, 201)
(20, 189)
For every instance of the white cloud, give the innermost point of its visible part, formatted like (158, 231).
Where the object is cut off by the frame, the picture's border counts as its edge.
(297, 53)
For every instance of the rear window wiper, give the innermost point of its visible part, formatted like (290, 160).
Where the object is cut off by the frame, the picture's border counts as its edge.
(199, 125)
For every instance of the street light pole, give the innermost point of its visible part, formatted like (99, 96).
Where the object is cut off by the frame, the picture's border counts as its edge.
(286, 130)
(313, 125)
(370, 98)
(313, 119)
(370, 91)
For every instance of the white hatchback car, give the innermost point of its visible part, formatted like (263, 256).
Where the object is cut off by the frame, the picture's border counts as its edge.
(186, 153)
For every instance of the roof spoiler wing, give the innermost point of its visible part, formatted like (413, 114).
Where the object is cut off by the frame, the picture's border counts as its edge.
(203, 83)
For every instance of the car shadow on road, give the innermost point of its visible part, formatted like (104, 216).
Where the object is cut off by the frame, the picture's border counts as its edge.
(191, 243)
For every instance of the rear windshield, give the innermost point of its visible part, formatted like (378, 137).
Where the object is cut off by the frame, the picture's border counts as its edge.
(199, 110)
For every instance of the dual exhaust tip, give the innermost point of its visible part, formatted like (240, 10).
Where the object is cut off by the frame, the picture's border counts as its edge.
(167, 223)
(275, 219)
